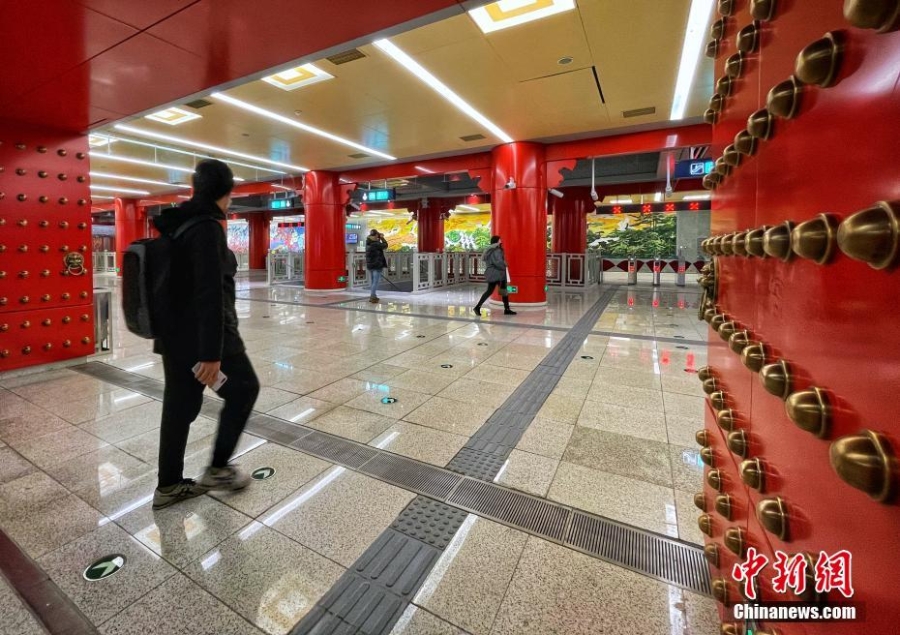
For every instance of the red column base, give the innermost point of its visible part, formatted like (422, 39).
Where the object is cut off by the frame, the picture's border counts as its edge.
(325, 280)
(530, 292)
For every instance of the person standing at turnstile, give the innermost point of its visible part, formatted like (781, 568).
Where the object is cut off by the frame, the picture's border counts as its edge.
(376, 263)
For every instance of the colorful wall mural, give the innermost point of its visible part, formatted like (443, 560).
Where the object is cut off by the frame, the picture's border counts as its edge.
(399, 232)
(285, 236)
(467, 232)
(640, 235)
(239, 236)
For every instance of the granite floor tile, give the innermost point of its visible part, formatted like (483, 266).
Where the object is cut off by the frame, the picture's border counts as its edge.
(27, 494)
(178, 607)
(302, 410)
(583, 371)
(271, 398)
(683, 430)
(126, 424)
(58, 447)
(13, 466)
(621, 498)
(19, 429)
(371, 401)
(687, 468)
(473, 391)
(562, 409)
(267, 578)
(351, 423)
(527, 472)
(686, 385)
(636, 379)
(572, 387)
(684, 405)
(339, 514)
(293, 469)
(52, 526)
(451, 416)
(468, 583)
(418, 621)
(146, 446)
(497, 375)
(118, 496)
(688, 529)
(644, 424)
(101, 600)
(620, 454)
(184, 532)
(422, 381)
(380, 373)
(304, 381)
(15, 617)
(627, 396)
(546, 437)
(558, 590)
(343, 390)
(420, 443)
(96, 407)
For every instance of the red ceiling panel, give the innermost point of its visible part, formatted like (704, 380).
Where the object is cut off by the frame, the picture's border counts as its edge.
(40, 41)
(138, 14)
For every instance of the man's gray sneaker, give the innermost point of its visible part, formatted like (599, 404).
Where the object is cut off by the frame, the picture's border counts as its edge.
(187, 488)
(227, 478)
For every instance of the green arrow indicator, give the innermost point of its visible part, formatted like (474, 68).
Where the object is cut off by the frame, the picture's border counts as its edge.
(342, 278)
(263, 473)
(104, 567)
(512, 289)
(388, 400)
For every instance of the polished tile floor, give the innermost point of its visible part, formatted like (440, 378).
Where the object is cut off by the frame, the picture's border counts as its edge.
(615, 438)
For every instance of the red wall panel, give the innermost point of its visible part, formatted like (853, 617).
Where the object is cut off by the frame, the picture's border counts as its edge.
(46, 309)
(834, 323)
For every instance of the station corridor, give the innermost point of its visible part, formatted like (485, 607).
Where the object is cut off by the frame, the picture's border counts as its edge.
(357, 440)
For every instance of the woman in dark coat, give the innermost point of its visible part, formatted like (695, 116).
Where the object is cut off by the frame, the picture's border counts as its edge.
(495, 275)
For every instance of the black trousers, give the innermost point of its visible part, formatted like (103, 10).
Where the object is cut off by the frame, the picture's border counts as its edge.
(490, 290)
(182, 401)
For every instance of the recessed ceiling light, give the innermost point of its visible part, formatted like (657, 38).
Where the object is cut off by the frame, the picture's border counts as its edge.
(439, 87)
(122, 177)
(694, 37)
(295, 78)
(173, 116)
(207, 147)
(296, 124)
(123, 190)
(508, 13)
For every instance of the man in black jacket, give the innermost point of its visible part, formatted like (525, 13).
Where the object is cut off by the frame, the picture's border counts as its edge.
(375, 261)
(204, 342)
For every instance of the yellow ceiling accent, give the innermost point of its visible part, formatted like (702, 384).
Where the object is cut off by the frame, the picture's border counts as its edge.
(508, 13)
(295, 78)
(173, 116)
(498, 12)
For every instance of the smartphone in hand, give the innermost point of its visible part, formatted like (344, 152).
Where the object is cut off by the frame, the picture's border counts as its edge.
(220, 379)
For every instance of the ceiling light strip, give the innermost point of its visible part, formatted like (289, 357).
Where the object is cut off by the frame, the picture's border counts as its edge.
(123, 190)
(439, 87)
(204, 146)
(198, 156)
(300, 126)
(116, 157)
(122, 177)
(694, 37)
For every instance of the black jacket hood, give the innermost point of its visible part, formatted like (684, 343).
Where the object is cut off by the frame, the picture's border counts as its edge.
(173, 217)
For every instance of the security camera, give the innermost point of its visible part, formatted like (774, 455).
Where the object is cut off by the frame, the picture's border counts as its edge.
(594, 195)
(556, 193)
(669, 191)
(510, 184)
(354, 206)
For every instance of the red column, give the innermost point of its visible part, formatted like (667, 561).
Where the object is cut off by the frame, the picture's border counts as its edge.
(569, 234)
(325, 256)
(519, 217)
(259, 239)
(130, 226)
(431, 230)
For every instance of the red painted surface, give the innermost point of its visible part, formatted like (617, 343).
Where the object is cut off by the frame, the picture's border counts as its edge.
(672, 138)
(114, 59)
(519, 217)
(835, 323)
(431, 229)
(325, 256)
(35, 238)
(569, 232)
(259, 239)
(131, 224)
(477, 164)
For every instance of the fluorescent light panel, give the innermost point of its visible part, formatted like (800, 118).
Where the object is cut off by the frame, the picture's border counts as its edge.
(300, 126)
(694, 38)
(696, 197)
(173, 116)
(136, 180)
(207, 147)
(297, 77)
(439, 87)
(509, 13)
(123, 190)
(199, 156)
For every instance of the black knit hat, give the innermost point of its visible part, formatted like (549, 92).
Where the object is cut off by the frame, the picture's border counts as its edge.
(212, 180)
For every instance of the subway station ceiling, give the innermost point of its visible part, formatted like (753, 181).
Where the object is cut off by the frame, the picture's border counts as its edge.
(600, 67)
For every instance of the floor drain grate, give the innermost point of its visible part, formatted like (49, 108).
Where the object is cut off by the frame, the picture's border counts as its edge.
(532, 514)
(412, 475)
(334, 449)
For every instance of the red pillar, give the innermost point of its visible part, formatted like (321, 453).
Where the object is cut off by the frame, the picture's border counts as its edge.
(259, 239)
(569, 234)
(519, 217)
(131, 222)
(431, 230)
(325, 256)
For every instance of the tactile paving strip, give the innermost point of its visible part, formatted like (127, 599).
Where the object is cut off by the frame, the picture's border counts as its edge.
(475, 463)
(430, 521)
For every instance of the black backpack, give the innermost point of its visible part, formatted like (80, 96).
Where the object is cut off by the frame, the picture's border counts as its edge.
(147, 300)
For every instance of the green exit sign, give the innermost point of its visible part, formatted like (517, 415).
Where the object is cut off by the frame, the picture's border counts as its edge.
(512, 289)
(383, 195)
(281, 203)
(342, 278)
